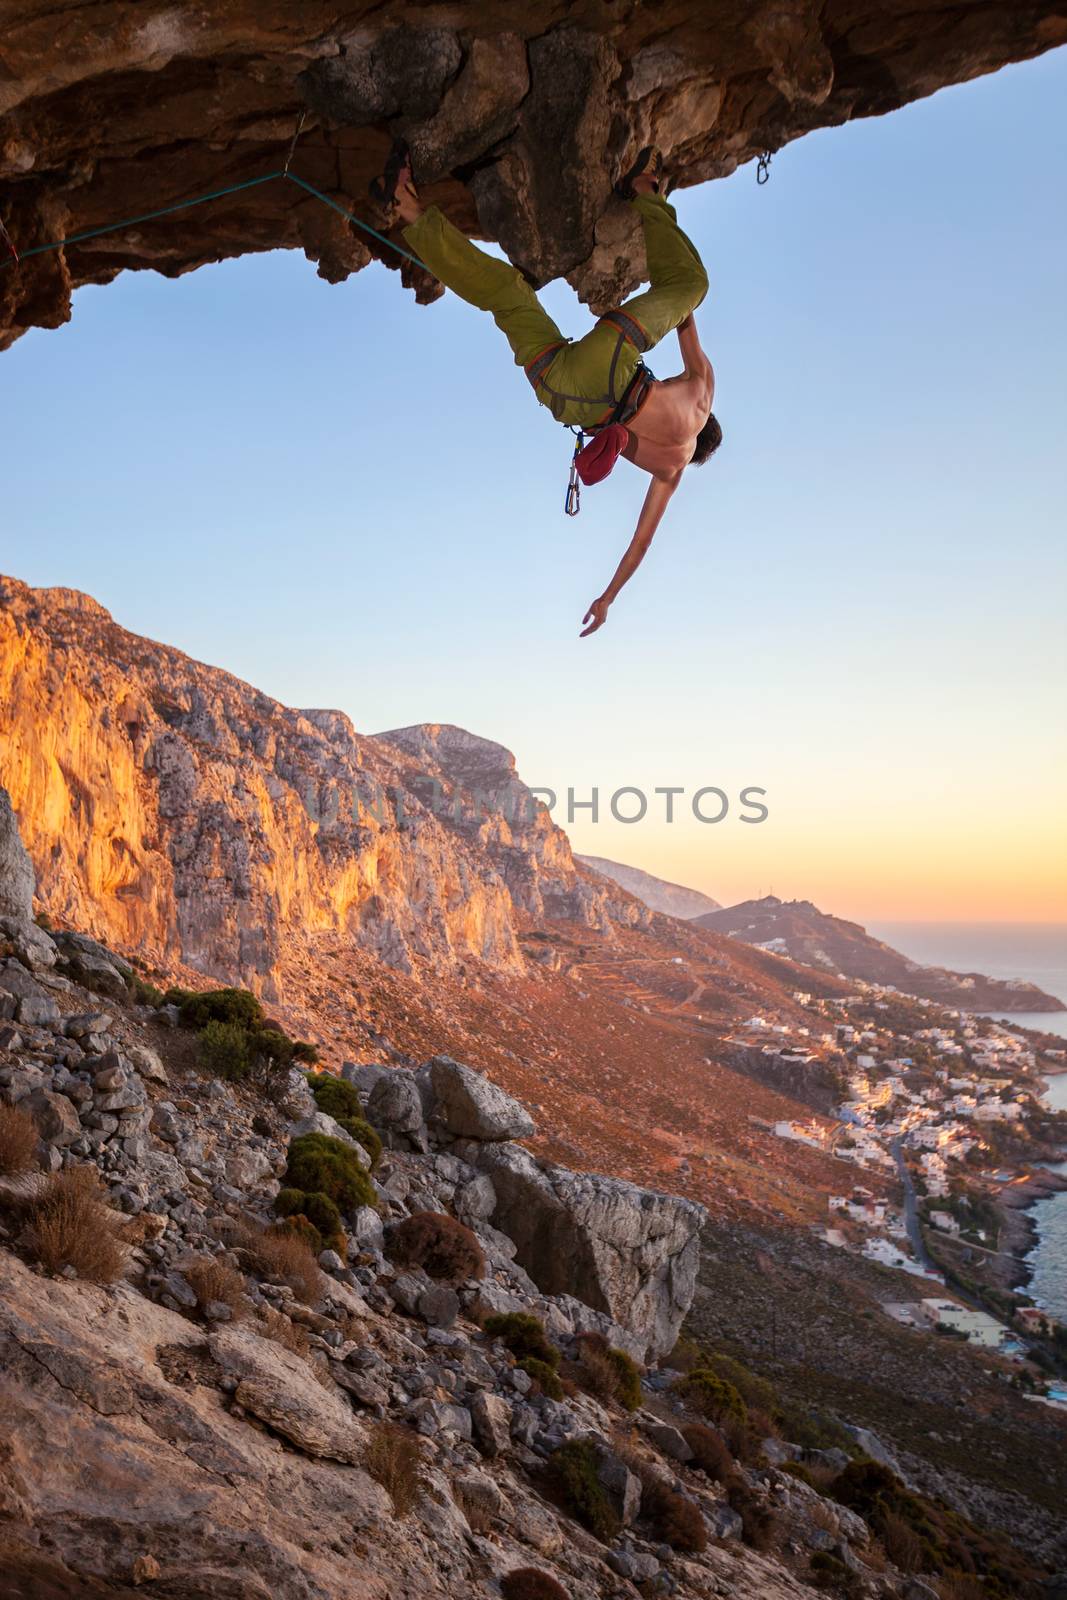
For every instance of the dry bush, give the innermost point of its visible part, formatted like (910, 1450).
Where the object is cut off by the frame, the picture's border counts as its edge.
(528, 1583)
(394, 1458)
(710, 1452)
(212, 1279)
(960, 1586)
(598, 1374)
(759, 1525)
(18, 1141)
(873, 1555)
(438, 1244)
(677, 1520)
(73, 1226)
(761, 1425)
(902, 1544)
(824, 1516)
(474, 1507)
(279, 1253)
(280, 1330)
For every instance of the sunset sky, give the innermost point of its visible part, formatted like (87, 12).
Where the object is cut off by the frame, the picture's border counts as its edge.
(858, 606)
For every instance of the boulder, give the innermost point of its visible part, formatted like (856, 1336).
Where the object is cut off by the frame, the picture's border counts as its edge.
(364, 1075)
(89, 963)
(665, 1437)
(491, 1416)
(31, 944)
(32, 1002)
(467, 1105)
(394, 1106)
(17, 879)
(280, 1389)
(433, 1417)
(629, 1252)
(57, 1121)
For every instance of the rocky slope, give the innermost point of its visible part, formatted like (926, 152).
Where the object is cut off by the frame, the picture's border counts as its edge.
(672, 899)
(171, 808)
(799, 930)
(204, 1424)
(519, 123)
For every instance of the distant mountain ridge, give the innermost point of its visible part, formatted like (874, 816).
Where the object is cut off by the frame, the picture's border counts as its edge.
(799, 930)
(173, 809)
(658, 894)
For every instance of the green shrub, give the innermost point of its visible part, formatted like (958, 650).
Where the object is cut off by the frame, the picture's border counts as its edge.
(523, 1334)
(336, 1096)
(629, 1376)
(545, 1376)
(298, 1226)
(756, 1392)
(321, 1165)
(222, 1050)
(438, 1244)
(339, 1099)
(317, 1209)
(238, 1006)
(573, 1470)
(145, 993)
(306, 1053)
(712, 1396)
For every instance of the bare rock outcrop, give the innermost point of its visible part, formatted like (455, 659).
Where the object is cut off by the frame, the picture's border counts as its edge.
(520, 119)
(16, 869)
(171, 809)
(629, 1252)
(18, 931)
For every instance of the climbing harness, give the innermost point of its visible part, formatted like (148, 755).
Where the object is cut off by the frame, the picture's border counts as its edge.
(763, 166)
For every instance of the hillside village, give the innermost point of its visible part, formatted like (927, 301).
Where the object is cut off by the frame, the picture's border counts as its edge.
(948, 1103)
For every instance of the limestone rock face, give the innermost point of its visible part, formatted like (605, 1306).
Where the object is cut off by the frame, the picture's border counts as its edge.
(520, 119)
(16, 869)
(631, 1253)
(173, 810)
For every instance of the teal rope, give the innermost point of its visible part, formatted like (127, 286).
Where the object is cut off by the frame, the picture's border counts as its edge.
(149, 216)
(216, 194)
(358, 221)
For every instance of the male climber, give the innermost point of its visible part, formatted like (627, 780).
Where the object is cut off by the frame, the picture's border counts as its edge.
(598, 383)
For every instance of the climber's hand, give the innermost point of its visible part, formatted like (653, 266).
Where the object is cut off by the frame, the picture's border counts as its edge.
(598, 611)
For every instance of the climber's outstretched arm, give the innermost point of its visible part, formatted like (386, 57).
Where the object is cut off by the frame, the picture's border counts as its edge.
(656, 501)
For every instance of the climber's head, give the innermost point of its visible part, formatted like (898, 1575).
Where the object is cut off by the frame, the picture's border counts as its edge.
(708, 441)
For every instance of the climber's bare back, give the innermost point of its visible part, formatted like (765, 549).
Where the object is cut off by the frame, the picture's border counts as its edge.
(663, 433)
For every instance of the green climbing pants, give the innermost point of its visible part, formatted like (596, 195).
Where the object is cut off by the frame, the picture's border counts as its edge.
(583, 380)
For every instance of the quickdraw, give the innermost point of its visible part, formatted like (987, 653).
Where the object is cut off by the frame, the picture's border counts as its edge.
(763, 166)
(7, 241)
(572, 504)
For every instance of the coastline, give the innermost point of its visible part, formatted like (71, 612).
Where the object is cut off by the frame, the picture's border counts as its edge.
(1021, 1233)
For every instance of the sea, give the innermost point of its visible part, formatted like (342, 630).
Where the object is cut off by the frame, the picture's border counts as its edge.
(1036, 951)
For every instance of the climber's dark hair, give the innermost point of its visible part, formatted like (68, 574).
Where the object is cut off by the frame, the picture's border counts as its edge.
(708, 441)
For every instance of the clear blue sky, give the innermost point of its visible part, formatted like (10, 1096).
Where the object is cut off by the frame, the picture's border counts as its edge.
(349, 500)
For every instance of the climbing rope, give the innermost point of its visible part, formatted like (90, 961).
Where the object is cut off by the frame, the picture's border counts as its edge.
(202, 199)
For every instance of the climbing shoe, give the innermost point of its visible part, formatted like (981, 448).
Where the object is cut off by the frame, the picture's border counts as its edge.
(384, 189)
(649, 164)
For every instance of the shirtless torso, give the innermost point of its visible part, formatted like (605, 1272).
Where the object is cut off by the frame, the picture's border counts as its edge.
(663, 437)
